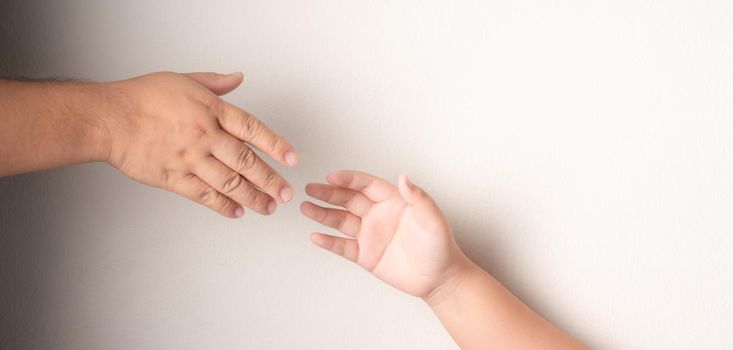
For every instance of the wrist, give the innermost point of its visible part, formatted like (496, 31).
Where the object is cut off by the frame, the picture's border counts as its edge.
(83, 109)
(112, 109)
(462, 270)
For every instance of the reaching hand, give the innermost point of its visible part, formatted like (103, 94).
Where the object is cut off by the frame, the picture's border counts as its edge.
(173, 131)
(399, 235)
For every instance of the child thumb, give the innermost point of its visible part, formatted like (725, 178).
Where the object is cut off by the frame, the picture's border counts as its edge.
(426, 210)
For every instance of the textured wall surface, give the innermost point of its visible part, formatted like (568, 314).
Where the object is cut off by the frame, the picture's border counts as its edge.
(583, 151)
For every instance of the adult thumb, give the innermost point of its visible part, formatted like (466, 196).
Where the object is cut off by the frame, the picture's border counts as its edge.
(220, 84)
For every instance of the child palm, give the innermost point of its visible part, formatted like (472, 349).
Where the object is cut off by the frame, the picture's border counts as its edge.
(399, 235)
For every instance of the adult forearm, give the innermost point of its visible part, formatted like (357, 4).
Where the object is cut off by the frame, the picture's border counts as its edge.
(164, 129)
(51, 124)
(479, 313)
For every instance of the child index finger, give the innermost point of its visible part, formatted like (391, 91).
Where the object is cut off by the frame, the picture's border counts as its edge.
(375, 188)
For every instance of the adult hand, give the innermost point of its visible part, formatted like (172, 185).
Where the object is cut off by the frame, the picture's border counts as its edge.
(172, 131)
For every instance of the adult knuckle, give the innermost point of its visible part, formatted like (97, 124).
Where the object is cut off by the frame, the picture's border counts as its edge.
(212, 103)
(197, 131)
(206, 195)
(275, 143)
(250, 126)
(232, 183)
(246, 160)
(271, 179)
(225, 206)
(255, 198)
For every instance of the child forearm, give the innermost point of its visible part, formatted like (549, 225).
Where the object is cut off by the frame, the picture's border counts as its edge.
(416, 252)
(480, 313)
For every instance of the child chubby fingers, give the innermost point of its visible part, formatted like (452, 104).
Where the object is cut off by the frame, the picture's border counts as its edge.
(346, 247)
(353, 201)
(375, 188)
(347, 223)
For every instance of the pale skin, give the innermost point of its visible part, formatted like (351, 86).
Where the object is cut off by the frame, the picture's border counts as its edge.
(399, 234)
(166, 130)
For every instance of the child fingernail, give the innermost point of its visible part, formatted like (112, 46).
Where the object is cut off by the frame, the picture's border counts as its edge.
(409, 183)
(239, 212)
(271, 207)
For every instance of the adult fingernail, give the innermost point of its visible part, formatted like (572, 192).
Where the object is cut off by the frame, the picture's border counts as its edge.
(271, 207)
(291, 158)
(239, 212)
(286, 194)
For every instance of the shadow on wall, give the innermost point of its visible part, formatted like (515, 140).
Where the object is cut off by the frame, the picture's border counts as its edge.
(21, 29)
(28, 245)
(26, 214)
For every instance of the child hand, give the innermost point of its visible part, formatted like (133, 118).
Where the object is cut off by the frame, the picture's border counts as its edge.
(399, 235)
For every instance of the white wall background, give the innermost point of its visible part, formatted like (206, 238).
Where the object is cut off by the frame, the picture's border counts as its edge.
(583, 151)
